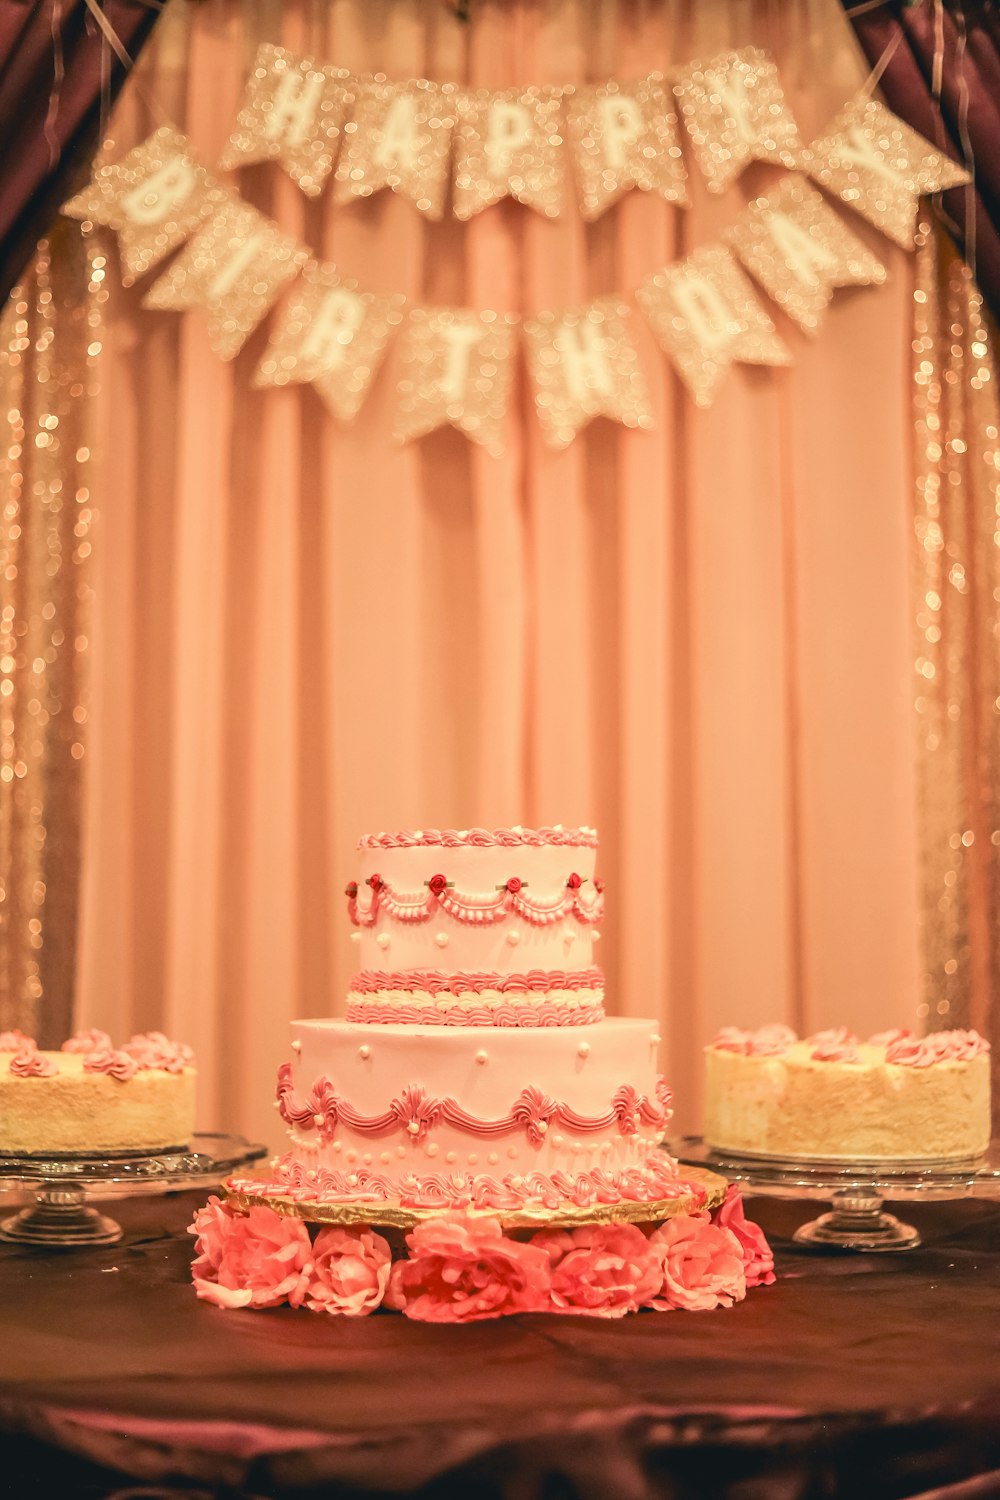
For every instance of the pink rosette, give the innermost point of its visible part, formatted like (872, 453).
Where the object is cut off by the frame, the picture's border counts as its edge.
(461, 1270)
(259, 1259)
(30, 1063)
(91, 1040)
(118, 1065)
(601, 1270)
(833, 1036)
(733, 1039)
(938, 1046)
(702, 1265)
(772, 1040)
(913, 1052)
(835, 1052)
(758, 1258)
(15, 1041)
(151, 1049)
(349, 1273)
(886, 1038)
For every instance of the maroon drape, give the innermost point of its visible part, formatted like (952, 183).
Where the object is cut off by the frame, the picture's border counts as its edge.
(907, 86)
(50, 108)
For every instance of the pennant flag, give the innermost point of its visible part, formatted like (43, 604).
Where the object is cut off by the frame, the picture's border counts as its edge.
(233, 269)
(331, 335)
(584, 364)
(624, 135)
(735, 112)
(705, 315)
(292, 112)
(400, 137)
(880, 167)
(509, 144)
(457, 366)
(153, 198)
(799, 249)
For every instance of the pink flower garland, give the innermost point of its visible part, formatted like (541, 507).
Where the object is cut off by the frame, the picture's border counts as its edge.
(462, 1268)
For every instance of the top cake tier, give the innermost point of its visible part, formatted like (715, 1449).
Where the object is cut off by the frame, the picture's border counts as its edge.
(487, 928)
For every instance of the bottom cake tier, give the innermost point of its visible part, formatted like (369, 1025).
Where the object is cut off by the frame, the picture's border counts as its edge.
(431, 1116)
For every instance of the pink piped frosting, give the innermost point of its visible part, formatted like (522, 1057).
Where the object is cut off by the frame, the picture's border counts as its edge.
(833, 1036)
(886, 1038)
(833, 1051)
(481, 838)
(91, 1040)
(120, 1064)
(30, 1063)
(14, 1041)
(938, 1046)
(151, 1049)
(767, 1041)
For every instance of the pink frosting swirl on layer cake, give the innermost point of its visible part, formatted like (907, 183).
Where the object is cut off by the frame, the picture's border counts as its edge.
(481, 838)
(842, 1052)
(886, 1038)
(767, 1041)
(13, 1041)
(30, 1063)
(833, 1036)
(440, 982)
(939, 1046)
(120, 1065)
(500, 1015)
(151, 1049)
(91, 1040)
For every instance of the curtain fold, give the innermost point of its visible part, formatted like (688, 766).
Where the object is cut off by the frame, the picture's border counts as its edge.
(58, 78)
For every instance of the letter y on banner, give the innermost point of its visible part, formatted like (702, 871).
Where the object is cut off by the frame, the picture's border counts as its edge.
(584, 364)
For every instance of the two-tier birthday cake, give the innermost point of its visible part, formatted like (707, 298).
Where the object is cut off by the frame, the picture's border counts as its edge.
(474, 1093)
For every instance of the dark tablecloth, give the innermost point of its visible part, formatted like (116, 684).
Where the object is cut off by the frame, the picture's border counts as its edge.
(854, 1375)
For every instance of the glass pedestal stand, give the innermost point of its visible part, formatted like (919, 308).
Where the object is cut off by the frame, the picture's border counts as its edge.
(856, 1191)
(60, 1215)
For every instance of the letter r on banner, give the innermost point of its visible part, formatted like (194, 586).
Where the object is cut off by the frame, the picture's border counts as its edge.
(333, 326)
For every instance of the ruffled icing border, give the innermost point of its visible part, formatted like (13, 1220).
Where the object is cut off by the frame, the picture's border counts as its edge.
(481, 838)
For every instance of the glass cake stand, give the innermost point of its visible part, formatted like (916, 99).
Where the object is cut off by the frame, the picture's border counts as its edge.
(60, 1216)
(856, 1191)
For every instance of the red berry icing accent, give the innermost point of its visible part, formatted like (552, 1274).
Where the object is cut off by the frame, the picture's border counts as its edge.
(574, 882)
(351, 890)
(438, 883)
(375, 881)
(514, 885)
(598, 886)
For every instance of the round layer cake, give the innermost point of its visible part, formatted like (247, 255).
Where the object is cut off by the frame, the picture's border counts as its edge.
(832, 1097)
(457, 1115)
(90, 1098)
(477, 928)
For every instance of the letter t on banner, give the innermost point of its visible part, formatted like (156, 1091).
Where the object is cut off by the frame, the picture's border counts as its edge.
(705, 315)
(584, 364)
(456, 367)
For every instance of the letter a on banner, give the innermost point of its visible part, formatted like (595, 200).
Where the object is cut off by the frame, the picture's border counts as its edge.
(705, 315)
(624, 135)
(292, 112)
(799, 249)
(153, 198)
(400, 137)
(880, 167)
(584, 364)
(331, 335)
(234, 269)
(735, 112)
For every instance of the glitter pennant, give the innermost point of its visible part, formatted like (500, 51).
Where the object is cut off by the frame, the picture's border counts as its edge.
(234, 269)
(584, 364)
(400, 137)
(799, 249)
(292, 112)
(331, 335)
(735, 112)
(457, 366)
(509, 144)
(705, 315)
(624, 135)
(153, 198)
(880, 167)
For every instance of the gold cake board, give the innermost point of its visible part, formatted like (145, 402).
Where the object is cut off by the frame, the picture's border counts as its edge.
(389, 1213)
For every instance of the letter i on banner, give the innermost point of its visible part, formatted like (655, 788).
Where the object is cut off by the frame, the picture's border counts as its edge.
(456, 367)
(584, 364)
(400, 137)
(735, 112)
(234, 269)
(705, 315)
(624, 135)
(331, 335)
(509, 144)
(799, 249)
(292, 112)
(153, 199)
(880, 167)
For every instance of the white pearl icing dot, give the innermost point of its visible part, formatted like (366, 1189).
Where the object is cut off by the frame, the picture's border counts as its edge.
(385, 1157)
(493, 1158)
(337, 1146)
(364, 1051)
(584, 1049)
(296, 1045)
(513, 937)
(473, 1158)
(441, 939)
(482, 1056)
(355, 937)
(401, 1151)
(383, 940)
(595, 935)
(512, 1152)
(318, 1121)
(352, 1155)
(452, 1156)
(433, 1149)
(656, 1039)
(367, 1158)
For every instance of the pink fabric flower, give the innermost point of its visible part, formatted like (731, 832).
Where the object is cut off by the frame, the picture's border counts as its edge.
(758, 1258)
(258, 1259)
(461, 1269)
(601, 1270)
(701, 1262)
(349, 1273)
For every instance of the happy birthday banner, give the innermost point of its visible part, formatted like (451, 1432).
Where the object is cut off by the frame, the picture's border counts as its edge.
(459, 150)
